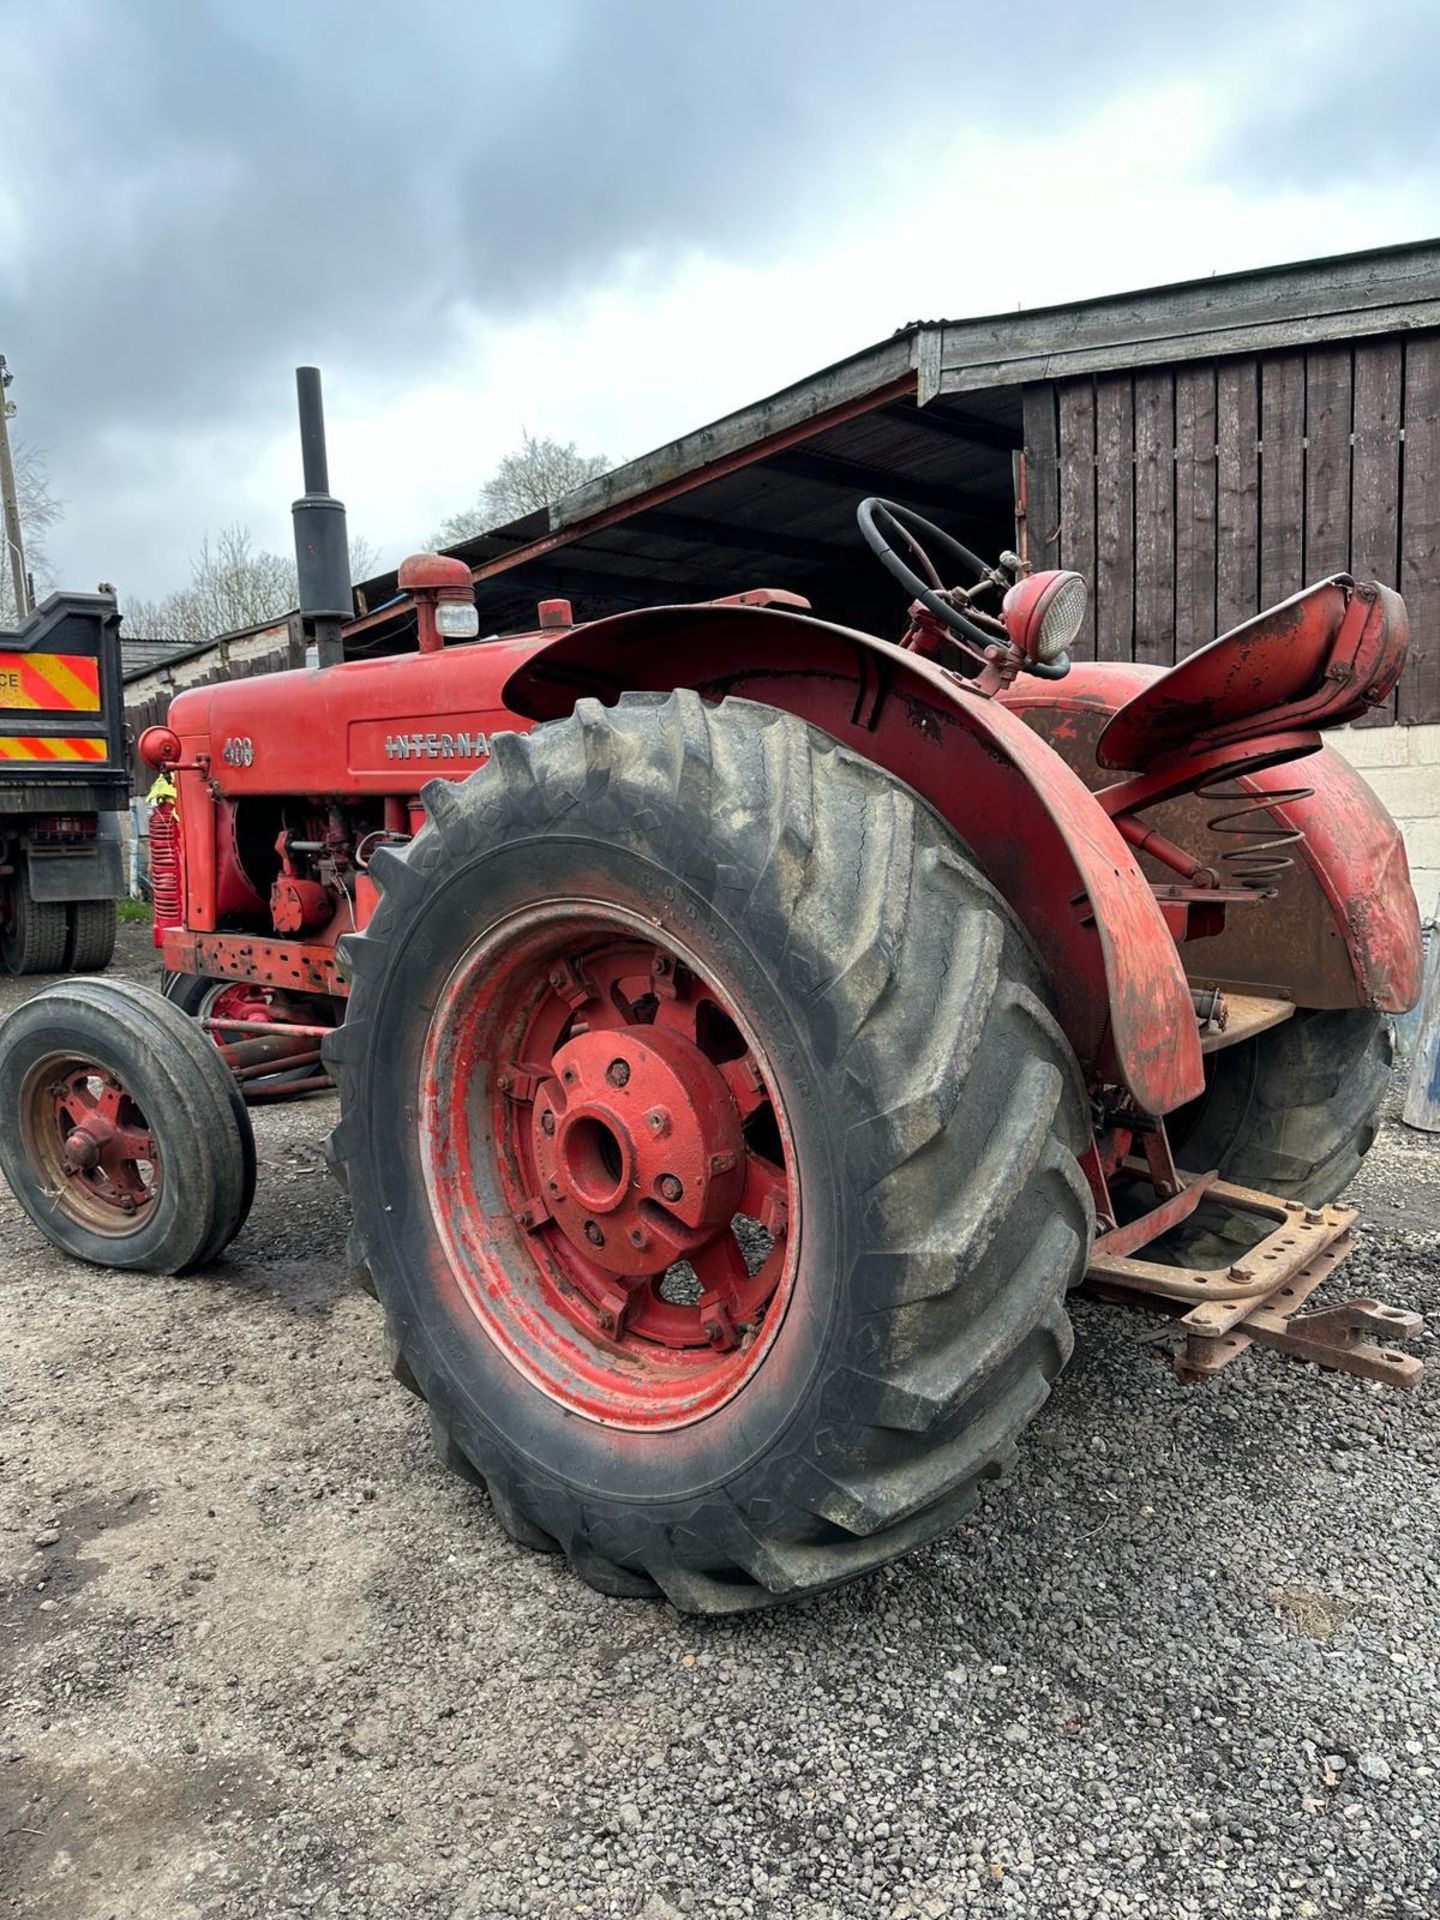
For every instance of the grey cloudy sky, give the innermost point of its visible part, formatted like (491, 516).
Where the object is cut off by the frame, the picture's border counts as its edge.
(611, 219)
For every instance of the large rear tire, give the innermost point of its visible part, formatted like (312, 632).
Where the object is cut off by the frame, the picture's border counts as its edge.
(1293, 1111)
(33, 932)
(713, 929)
(122, 1134)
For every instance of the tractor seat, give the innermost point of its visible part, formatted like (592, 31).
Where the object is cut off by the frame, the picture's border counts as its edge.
(1318, 659)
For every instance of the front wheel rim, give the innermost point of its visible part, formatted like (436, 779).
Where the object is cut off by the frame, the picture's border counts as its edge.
(93, 1151)
(609, 1165)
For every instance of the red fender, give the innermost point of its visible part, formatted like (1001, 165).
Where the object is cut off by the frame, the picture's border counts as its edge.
(1120, 990)
(1342, 930)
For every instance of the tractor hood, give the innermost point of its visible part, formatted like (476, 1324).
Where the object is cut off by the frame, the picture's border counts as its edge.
(367, 726)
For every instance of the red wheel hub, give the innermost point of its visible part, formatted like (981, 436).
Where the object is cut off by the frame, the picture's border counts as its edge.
(620, 1209)
(93, 1142)
(639, 1147)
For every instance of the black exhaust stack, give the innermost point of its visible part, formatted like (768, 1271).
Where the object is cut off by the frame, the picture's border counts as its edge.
(322, 552)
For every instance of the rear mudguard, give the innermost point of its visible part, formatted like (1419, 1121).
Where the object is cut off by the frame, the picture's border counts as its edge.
(1342, 929)
(1120, 990)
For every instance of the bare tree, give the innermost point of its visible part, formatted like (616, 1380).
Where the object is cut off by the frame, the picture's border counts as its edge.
(39, 511)
(539, 471)
(233, 584)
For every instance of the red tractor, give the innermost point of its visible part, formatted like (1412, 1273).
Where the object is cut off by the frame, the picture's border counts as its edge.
(749, 1030)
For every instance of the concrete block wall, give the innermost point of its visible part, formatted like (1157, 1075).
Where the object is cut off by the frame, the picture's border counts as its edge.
(1402, 764)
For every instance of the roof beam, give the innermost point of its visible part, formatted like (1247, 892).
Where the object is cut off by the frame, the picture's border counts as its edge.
(855, 477)
(772, 541)
(1389, 290)
(958, 426)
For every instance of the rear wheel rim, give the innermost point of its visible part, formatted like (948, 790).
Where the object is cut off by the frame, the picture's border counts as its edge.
(92, 1148)
(609, 1166)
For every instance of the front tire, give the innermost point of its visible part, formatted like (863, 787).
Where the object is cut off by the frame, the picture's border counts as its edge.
(811, 995)
(121, 1132)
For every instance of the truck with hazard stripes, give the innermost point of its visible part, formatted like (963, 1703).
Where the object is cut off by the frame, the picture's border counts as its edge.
(64, 779)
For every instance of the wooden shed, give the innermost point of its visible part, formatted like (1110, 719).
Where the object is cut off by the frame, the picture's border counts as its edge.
(1197, 451)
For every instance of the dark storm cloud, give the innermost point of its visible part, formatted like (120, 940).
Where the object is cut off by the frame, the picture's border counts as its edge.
(208, 193)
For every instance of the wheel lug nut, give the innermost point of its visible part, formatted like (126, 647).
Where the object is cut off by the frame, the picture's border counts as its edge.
(547, 1121)
(593, 1234)
(639, 1238)
(669, 1186)
(618, 1072)
(658, 1121)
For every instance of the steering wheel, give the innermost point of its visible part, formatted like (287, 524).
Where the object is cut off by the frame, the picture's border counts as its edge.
(885, 521)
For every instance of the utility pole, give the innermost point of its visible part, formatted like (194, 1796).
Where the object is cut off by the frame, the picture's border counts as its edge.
(14, 545)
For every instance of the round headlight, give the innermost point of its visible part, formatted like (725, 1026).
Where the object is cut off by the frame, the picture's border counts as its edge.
(1060, 616)
(1043, 613)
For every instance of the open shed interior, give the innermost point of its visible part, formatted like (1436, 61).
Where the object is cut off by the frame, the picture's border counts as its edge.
(785, 518)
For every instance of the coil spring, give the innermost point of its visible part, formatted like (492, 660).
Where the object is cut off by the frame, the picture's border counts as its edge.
(165, 877)
(1261, 865)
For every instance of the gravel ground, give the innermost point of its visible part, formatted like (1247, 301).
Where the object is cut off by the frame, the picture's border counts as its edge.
(260, 1656)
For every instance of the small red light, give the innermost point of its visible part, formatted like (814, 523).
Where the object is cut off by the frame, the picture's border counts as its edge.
(158, 747)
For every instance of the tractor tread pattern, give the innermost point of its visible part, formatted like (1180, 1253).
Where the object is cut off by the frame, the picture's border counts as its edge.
(1295, 1110)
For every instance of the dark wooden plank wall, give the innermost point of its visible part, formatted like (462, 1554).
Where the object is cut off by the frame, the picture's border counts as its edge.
(1191, 497)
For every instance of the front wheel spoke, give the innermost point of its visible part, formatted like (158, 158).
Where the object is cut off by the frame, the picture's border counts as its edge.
(130, 1144)
(74, 1105)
